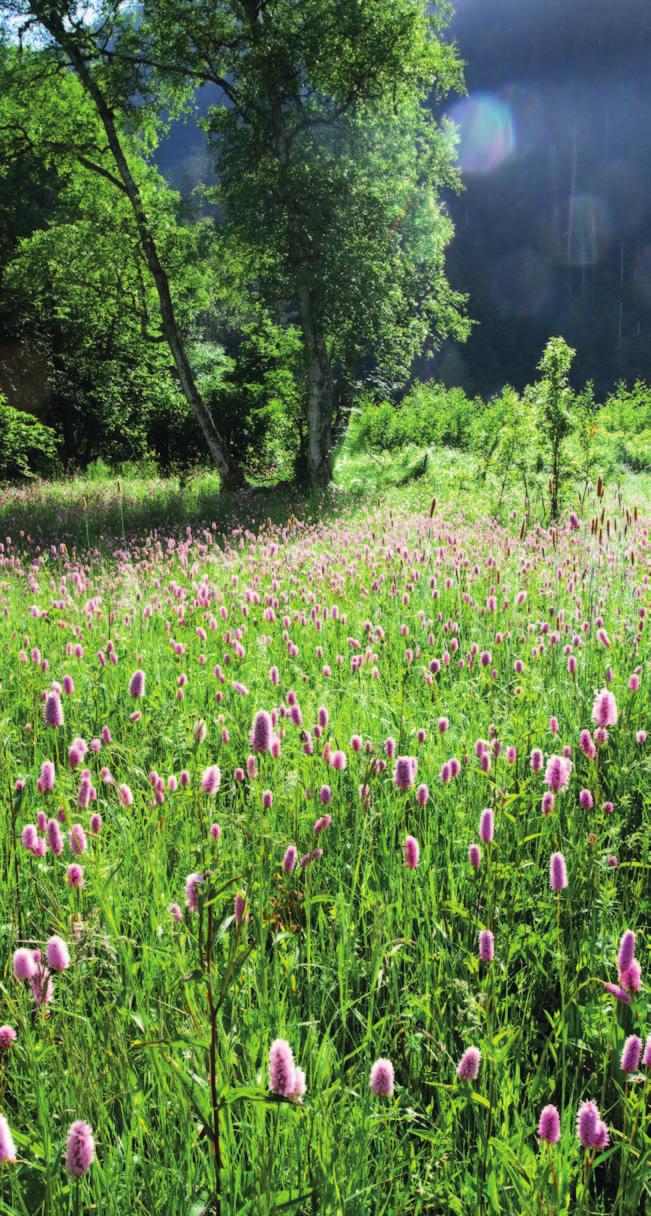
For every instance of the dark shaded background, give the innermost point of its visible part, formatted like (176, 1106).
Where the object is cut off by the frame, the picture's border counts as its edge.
(554, 228)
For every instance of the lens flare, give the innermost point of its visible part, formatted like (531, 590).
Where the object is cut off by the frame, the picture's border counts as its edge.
(587, 230)
(486, 133)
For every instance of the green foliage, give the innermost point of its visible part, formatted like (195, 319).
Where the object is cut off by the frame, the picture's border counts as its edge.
(354, 956)
(330, 168)
(625, 421)
(27, 447)
(429, 414)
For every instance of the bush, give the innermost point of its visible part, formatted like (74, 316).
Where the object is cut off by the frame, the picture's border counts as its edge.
(27, 447)
(429, 415)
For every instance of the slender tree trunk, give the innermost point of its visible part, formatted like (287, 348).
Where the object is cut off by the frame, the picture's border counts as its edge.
(231, 474)
(320, 393)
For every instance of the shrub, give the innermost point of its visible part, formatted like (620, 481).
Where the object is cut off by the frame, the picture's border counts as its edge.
(27, 447)
(429, 415)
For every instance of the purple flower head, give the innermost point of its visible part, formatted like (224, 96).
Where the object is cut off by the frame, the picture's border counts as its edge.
(474, 856)
(289, 860)
(557, 872)
(604, 710)
(78, 842)
(587, 745)
(412, 853)
(46, 779)
(646, 1057)
(211, 780)
(487, 826)
(404, 772)
(29, 837)
(192, 884)
(557, 773)
(631, 978)
(549, 1125)
(536, 760)
(281, 1068)
(53, 710)
(586, 800)
(137, 684)
(75, 876)
(7, 1146)
(626, 952)
(7, 1037)
(588, 1124)
(486, 946)
(80, 1149)
(261, 734)
(238, 907)
(381, 1080)
(57, 954)
(468, 1066)
(630, 1060)
(422, 795)
(617, 992)
(24, 964)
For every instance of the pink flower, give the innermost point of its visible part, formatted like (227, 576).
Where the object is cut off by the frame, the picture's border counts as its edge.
(486, 946)
(468, 1067)
(281, 1068)
(125, 795)
(630, 1060)
(338, 761)
(192, 884)
(80, 1149)
(211, 780)
(487, 826)
(53, 710)
(75, 875)
(604, 710)
(381, 1080)
(261, 737)
(557, 773)
(7, 1037)
(57, 954)
(412, 853)
(557, 872)
(405, 772)
(137, 684)
(7, 1146)
(46, 779)
(549, 1125)
(24, 964)
(289, 860)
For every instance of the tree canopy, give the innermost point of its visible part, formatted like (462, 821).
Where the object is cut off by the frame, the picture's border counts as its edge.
(326, 222)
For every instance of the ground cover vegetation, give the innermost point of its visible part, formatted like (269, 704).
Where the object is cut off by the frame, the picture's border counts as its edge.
(326, 865)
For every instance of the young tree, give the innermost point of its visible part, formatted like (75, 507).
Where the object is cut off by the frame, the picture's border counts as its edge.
(330, 166)
(74, 36)
(554, 399)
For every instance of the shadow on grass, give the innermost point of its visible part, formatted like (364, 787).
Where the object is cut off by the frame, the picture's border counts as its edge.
(85, 514)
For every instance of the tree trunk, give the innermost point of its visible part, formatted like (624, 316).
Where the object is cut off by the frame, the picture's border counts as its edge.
(231, 474)
(319, 403)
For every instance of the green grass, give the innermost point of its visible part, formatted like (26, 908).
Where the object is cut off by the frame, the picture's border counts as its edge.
(355, 957)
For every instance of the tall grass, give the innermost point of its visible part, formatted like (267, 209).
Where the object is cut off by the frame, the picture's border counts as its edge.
(158, 1034)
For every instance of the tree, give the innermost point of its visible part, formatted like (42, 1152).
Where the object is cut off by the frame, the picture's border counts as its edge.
(330, 167)
(73, 39)
(554, 399)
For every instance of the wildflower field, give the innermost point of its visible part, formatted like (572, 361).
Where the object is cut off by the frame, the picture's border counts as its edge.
(326, 868)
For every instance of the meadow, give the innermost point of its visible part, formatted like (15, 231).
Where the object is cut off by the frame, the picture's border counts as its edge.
(325, 856)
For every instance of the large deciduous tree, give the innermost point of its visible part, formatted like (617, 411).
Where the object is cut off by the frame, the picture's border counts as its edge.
(79, 37)
(330, 166)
